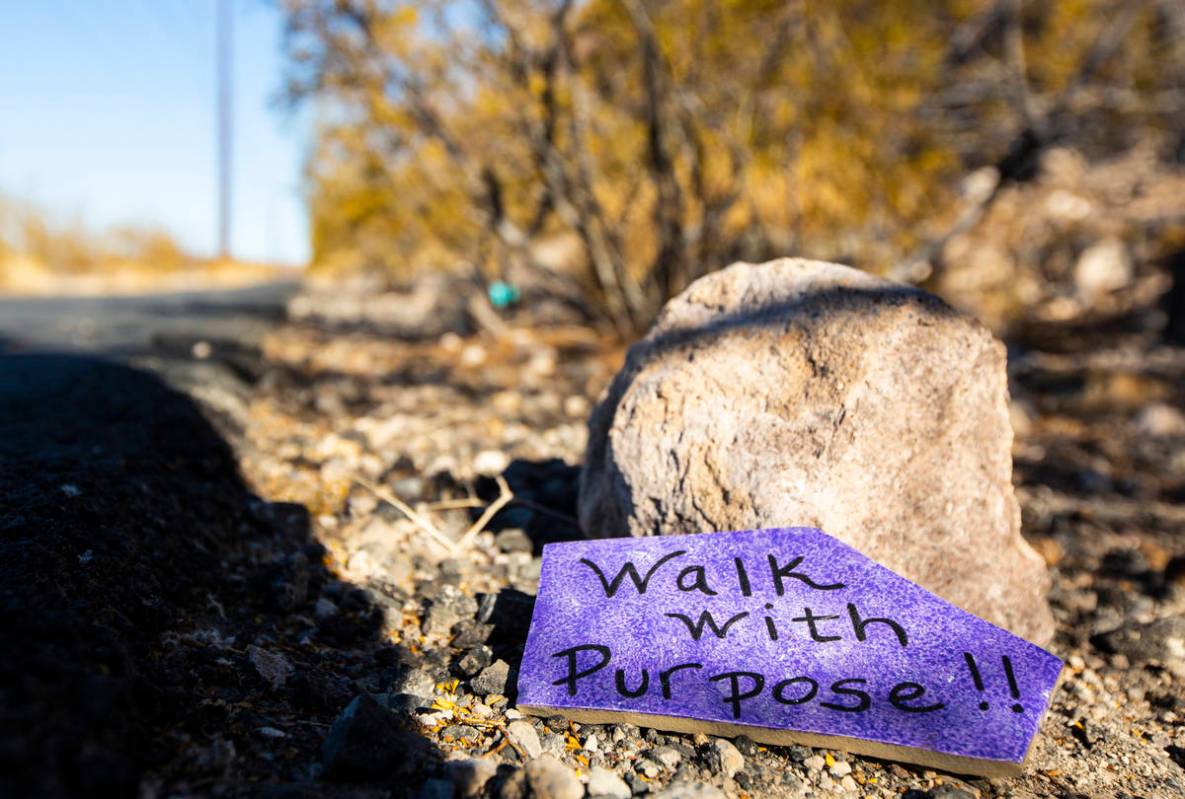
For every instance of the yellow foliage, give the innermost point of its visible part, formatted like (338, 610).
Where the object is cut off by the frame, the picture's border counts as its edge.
(694, 131)
(67, 246)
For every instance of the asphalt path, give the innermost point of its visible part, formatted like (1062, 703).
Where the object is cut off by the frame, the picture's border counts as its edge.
(141, 324)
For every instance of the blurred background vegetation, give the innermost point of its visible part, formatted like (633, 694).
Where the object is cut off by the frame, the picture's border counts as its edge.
(31, 233)
(1023, 158)
(1007, 153)
(45, 252)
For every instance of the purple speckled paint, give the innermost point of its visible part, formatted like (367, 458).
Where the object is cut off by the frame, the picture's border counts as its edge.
(784, 635)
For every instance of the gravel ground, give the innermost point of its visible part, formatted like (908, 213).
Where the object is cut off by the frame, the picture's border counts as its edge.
(340, 617)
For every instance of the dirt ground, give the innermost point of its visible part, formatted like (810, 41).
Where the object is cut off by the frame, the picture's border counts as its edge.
(203, 564)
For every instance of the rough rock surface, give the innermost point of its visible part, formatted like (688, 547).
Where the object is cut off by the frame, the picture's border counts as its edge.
(805, 393)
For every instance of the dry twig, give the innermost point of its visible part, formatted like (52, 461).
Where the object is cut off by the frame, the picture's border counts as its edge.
(504, 497)
(408, 511)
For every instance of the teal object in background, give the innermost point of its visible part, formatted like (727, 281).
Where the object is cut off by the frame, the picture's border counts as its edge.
(503, 294)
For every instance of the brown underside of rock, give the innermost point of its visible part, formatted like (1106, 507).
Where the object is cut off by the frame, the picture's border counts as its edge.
(805, 393)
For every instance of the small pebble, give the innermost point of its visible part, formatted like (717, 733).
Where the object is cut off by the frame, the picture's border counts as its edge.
(745, 745)
(324, 609)
(551, 779)
(513, 539)
(949, 792)
(474, 661)
(604, 783)
(470, 776)
(731, 760)
(648, 768)
(523, 734)
(493, 679)
(415, 682)
(460, 732)
(555, 743)
(637, 785)
(491, 462)
(667, 757)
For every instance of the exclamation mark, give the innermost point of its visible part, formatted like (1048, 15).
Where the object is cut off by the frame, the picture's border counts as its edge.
(975, 676)
(1013, 688)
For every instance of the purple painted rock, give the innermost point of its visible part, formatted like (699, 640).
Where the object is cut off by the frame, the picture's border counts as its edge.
(787, 636)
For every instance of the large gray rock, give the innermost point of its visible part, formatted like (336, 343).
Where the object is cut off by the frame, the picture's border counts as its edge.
(805, 393)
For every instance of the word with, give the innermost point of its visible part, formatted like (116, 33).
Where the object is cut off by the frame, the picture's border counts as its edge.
(814, 624)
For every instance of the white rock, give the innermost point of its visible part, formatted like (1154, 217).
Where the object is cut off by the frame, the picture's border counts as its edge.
(361, 565)
(491, 462)
(472, 356)
(1101, 268)
(469, 776)
(554, 743)
(731, 760)
(576, 406)
(1067, 206)
(551, 779)
(1021, 414)
(435, 717)
(1161, 421)
(523, 734)
(668, 757)
(604, 783)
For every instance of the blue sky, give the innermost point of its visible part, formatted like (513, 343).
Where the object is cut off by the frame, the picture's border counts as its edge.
(107, 113)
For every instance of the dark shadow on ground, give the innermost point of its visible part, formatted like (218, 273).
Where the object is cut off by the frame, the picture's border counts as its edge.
(140, 580)
(544, 504)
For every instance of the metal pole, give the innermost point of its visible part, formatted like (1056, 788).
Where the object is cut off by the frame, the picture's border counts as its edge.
(225, 124)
